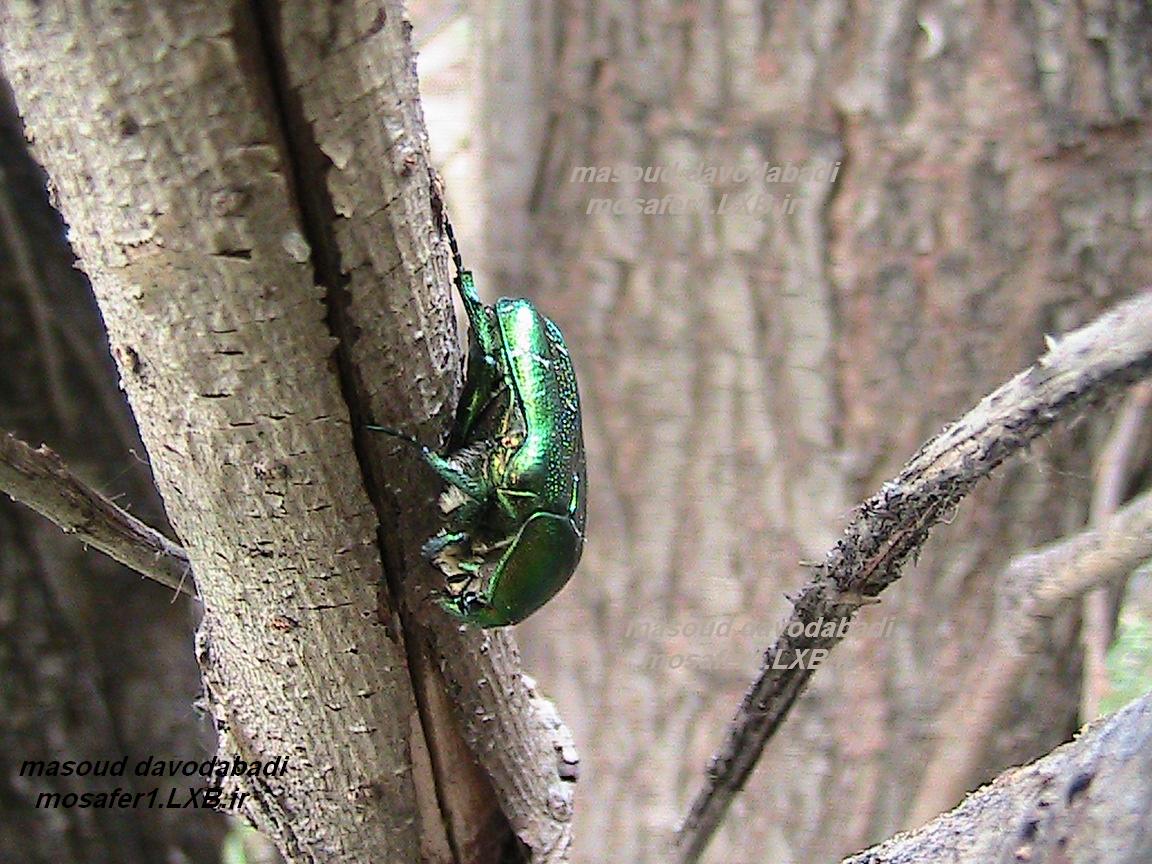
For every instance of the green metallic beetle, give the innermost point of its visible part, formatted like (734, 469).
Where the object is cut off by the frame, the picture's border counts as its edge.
(516, 501)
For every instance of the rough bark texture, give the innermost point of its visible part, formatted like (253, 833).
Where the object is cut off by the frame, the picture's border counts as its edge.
(95, 663)
(248, 188)
(219, 329)
(748, 376)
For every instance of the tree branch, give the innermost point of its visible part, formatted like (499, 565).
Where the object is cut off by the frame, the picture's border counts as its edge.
(39, 479)
(1114, 467)
(273, 283)
(1078, 369)
(1091, 559)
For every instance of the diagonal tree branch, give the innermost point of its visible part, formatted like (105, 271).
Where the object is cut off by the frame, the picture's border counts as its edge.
(1098, 556)
(893, 524)
(39, 479)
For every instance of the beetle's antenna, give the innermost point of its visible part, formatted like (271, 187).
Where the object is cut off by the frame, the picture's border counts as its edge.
(440, 211)
(456, 257)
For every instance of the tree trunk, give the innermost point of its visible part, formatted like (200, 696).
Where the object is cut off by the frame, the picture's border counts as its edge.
(95, 663)
(248, 189)
(758, 353)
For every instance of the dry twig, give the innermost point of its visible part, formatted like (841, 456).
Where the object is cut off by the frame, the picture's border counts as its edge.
(40, 479)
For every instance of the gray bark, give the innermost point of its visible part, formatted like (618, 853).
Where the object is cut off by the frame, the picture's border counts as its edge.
(247, 187)
(1087, 801)
(95, 663)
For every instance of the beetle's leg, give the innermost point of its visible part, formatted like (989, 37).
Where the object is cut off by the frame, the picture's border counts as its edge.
(458, 582)
(459, 473)
(469, 602)
(457, 470)
(484, 376)
(450, 603)
(486, 549)
(461, 586)
(452, 554)
(435, 545)
(460, 605)
(476, 310)
(450, 547)
(465, 570)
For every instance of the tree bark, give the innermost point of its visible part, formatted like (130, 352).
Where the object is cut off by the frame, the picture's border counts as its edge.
(248, 189)
(95, 663)
(758, 356)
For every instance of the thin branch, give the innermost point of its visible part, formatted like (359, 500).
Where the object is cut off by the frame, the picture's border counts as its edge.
(1113, 471)
(1033, 587)
(1099, 556)
(892, 525)
(39, 479)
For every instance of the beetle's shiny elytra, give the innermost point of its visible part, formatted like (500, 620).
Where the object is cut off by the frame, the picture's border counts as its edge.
(516, 502)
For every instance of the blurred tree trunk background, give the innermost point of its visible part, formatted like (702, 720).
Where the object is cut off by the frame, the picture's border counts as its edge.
(96, 663)
(755, 365)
